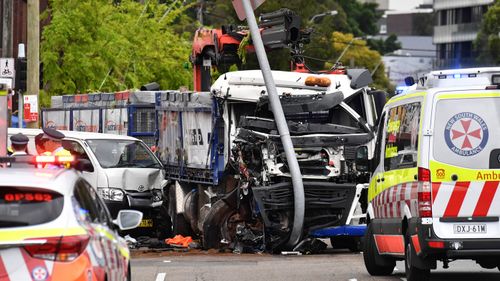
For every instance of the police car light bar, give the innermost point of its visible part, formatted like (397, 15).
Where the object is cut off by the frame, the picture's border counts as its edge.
(40, 159)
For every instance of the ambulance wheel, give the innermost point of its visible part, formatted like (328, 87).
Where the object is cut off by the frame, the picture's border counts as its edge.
(414, 273)
(375, 264)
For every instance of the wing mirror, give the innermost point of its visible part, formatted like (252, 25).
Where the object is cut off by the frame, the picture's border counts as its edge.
(361, 160)
(128, 219)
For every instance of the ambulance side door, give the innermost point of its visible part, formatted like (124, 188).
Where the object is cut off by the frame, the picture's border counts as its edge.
(377, 179)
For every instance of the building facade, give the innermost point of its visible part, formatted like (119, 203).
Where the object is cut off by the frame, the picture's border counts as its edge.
(457, 25)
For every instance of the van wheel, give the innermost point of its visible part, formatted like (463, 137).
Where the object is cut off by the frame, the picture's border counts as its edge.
(375, 264)
(414, 273)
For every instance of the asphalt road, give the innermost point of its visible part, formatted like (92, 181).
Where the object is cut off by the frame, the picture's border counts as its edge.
(338, 265)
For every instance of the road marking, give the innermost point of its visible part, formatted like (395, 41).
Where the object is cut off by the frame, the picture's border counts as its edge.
(161, 276)
(404, 279)
(353, 279)
(167, 261)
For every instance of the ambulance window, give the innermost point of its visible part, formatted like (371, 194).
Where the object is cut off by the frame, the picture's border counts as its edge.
(401, 137)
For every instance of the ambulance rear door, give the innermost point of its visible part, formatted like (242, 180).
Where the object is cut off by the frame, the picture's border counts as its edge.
(465, 164)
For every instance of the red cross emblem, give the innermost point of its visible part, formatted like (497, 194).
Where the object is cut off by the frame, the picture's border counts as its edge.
(39, 273)
(467, 133)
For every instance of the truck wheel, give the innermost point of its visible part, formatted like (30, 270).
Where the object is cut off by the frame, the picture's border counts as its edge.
(179, 224)
(213, 224)
(375, 264)
(414, 273)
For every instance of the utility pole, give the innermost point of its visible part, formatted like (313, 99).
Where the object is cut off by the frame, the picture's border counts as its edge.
(7, 29)
(199, 13)
(33, 54)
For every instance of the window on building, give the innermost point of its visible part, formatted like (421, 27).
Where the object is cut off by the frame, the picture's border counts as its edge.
(466, 15)
(443, 17)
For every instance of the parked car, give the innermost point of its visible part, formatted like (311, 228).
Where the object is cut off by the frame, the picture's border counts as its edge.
(124, 171)
(54, 226)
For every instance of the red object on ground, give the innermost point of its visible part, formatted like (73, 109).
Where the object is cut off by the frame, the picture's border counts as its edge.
(179, 240)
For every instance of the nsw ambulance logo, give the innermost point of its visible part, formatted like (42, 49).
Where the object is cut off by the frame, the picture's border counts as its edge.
(466, 134)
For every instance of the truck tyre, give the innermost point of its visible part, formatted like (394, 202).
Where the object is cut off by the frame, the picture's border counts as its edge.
(414, 273)
(179, 223)
(212, 234)
(375, 264)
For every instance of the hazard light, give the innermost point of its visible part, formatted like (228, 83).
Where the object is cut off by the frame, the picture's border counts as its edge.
(50, 159)
(436, 244)
(424, 193)
(65, 249)
(318, 81)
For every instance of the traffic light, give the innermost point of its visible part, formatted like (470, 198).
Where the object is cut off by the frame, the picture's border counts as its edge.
(21, 74)
(280, 28)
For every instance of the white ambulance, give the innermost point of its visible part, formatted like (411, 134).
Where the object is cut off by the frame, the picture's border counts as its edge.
(433, 193)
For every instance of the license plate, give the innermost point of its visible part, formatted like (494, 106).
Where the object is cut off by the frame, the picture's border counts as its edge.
(146, 223)
(469, 228)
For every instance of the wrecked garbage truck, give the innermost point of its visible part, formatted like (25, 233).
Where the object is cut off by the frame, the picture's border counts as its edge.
(229, 183)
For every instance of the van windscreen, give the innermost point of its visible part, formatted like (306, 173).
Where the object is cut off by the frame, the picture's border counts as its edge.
(467, 132)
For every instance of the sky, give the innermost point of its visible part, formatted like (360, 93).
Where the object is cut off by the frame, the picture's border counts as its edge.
(403, 5)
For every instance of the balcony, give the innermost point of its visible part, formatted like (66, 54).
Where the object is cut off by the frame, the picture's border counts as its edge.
(453, 4)
(455, 33)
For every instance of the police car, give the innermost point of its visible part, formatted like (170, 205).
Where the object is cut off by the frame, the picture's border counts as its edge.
(434, 193)
(54, 226)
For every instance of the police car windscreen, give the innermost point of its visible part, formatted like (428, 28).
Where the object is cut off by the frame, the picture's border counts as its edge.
(25, 206)
(114, 153)
(467, 131)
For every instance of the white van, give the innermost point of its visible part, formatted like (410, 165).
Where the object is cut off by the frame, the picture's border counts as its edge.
(124, 170)
(434, 191)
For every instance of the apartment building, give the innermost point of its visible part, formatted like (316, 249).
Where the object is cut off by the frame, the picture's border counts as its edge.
(457, 25)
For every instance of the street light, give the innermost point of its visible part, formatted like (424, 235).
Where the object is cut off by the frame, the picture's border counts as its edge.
(318, 16)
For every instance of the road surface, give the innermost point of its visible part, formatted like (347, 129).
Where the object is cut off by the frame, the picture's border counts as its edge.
(336, 265)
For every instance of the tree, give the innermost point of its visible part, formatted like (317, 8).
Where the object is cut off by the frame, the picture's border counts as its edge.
(359, 54)
(96, 45)
(389, 45)
(487, 43)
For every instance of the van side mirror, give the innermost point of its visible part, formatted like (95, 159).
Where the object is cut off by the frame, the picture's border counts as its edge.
(361, 160)
(84, 165)
(128, 219)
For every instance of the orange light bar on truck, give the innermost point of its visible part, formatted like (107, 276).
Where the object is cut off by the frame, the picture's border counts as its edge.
(318, 81)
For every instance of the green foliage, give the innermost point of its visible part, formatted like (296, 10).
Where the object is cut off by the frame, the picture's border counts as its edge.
(96, 45)
(487, 43)
(389, 45)
(359, 54)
